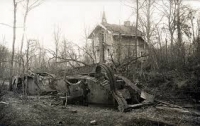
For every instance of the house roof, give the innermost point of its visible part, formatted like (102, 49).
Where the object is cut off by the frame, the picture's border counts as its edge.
(118, 29)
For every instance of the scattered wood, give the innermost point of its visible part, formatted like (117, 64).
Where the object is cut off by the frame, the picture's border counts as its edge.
(93, 122)
(4, 102)
(80, 77)
(41, 97)
(176, 108)
(73, 111)
(168, 104)
(172, 109)
(54, 104)
(181, 110)
(140, 104)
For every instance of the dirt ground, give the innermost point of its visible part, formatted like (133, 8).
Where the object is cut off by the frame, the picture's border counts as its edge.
(46, 111)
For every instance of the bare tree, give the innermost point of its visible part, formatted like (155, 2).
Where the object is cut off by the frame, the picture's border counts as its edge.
(40, 59)
(136, 27)
(179, 34)
(28, 5)
(169, 11)
(148, 25)
(4, 61)
(89, 57)
(30, 52)
(14, 38)
(57, 35)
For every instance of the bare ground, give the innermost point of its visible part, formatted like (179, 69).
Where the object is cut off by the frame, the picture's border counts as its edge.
(44, 110)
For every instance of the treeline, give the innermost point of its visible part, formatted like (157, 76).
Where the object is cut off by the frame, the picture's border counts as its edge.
(171, 29)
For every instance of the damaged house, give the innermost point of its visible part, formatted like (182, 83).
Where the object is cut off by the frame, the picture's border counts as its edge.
(112, 42)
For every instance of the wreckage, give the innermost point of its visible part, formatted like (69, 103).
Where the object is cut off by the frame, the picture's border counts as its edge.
(93, 85)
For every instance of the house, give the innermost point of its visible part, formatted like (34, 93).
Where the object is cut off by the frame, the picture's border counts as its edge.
(116, 42)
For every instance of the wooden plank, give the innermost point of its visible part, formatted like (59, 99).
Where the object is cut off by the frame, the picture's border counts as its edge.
(181, 110)
(140, 105)
(169, 104)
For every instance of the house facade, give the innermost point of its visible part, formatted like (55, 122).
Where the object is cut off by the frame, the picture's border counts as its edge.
(111, 42)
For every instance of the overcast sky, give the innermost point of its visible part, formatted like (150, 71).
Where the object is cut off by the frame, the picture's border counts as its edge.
(72, 16)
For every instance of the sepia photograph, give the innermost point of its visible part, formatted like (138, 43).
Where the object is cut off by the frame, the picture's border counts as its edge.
(99, 62)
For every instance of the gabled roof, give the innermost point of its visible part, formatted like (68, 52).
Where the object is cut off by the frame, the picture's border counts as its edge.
(118, 29)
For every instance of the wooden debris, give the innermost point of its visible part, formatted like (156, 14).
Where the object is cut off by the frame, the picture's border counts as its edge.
(181, 110)
(93, 122)
(172, 109)
(73, 111)
(4, 102)
(54, 104)
(168, 104)
(140, 105)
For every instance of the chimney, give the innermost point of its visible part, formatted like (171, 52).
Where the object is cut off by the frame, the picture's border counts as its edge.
(127, 23)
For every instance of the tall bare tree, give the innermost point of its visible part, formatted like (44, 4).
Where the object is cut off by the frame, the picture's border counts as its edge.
(15, 3)
(4, 61)
(30, 52)
(28, 5)
(57, 36)
(148, 25)
(169, 11)
(88, 48)
(136, 27)
(178, 24)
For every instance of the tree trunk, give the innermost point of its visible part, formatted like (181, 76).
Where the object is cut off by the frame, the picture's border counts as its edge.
(136, 27)
(102, 41)
(170, 29)
(13, 44)
(24, 31)
(27, 56)
(180, 55)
